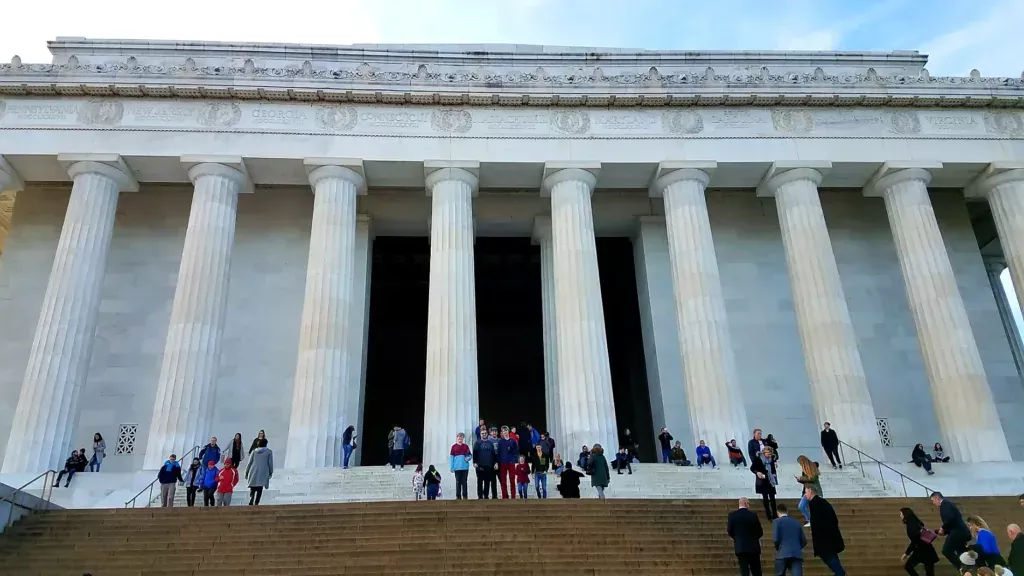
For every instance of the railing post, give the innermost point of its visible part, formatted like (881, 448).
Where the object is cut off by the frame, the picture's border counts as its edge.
(880, 475)
(149, 502)
(860, 464)
(904, 482)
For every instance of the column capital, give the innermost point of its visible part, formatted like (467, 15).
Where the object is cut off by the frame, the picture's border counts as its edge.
(893, 173)
(232, 167)
(110, 165)
(670, 172)
(437, 171)
(558, 172)
(995, 174)
(541, 229)
(352, 173)
(782, 173)
(9, 177)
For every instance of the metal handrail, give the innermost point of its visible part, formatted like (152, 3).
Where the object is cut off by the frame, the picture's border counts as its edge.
(860, 461)
(45, 496)
(131, 503)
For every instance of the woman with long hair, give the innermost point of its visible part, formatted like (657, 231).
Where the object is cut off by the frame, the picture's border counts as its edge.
(235, 450)
(261, 435)
(939, 453)
(985, 543)
(432, 482)
(809, 476)
(922, 459)
(919, 551)
(99, 451)
(597, 467)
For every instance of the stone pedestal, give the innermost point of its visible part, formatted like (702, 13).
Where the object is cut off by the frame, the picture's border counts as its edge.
(717, 411)
(452, 393)
(47, 413)
(963, 401)
(552, 397)
(329, 348)
(584, 375)
(839, 386)
(183, 405)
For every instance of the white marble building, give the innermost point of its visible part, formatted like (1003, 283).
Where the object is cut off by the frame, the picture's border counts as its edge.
(191, 244)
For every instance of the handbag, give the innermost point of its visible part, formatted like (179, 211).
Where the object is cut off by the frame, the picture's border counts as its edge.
(928, 536)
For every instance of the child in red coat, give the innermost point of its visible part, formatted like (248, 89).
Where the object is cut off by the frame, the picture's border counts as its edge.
(226, 480)
(523, 477)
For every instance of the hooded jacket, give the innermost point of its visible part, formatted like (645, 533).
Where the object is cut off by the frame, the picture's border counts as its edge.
(208, 478)
(227, 478)
(208, 454)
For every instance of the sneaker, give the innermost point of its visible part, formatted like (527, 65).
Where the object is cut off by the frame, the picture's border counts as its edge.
(808, 525)
(833, 466)
(840, 466)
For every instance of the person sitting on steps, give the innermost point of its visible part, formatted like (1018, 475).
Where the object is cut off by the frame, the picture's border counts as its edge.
(569, 487)
(623, 461)
(75, 463)
(677, 456)
(583, 459)
(921, 459)
(736, 457)
(938, 454)
(704, 456)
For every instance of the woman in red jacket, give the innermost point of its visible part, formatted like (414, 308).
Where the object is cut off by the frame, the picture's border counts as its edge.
(226, 480)
(523, 477)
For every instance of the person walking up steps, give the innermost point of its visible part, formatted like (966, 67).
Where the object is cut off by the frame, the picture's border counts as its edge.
(790, 541)
(809, 476)
(417, 482)
(825, 534)
(458, 463)
(953, 528)
(597, 467)
(830, 443)
(259, 471)
(431, 482)
(522, 472)
(744, 528)
(920, 550)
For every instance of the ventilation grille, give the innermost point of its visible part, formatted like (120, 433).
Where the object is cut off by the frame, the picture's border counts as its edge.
(883, 431)
(126, 438)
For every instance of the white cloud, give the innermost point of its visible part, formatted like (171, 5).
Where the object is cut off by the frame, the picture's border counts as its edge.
(992, 43)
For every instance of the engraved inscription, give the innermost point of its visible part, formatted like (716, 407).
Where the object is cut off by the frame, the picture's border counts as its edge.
(1001, 123)
(571, 121)
(457, 121)
(101, 112)
(736, 119)
(625, 121)
(220, 114)
(394, 119)
(682, 122)
(501, 121)
(846, 119)
(337, 118)
(281, 116)
(42, 111)
(793, 121)
(161, 114)
(904, 123)
(950, 122)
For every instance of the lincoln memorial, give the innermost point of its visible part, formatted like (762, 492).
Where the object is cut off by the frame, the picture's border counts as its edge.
(207, 238)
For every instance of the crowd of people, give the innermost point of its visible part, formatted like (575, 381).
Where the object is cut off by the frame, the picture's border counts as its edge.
(214, 473)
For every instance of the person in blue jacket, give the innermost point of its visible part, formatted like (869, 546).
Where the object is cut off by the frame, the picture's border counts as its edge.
(458, 462)
(210, 453)
(704, 456)
(209, 483)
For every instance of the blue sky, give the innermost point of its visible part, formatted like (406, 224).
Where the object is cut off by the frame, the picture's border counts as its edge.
(958, 34)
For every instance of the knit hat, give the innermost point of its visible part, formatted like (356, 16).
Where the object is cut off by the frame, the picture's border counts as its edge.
(969, 558)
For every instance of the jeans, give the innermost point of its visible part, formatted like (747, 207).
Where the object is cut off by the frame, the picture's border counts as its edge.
(665, 452)
(95, 463)
(190, 496)
(485, 484)
(69, 471)
(805, 508)
(794, 566)
(507, 472)
(461, 484)
(833, 455)
(432, 491)
(167, 495)
(834, 565)
(208, 499)
(224, 498)
(346, 450)
(600, 492)
(524, 489)
(397, 458)
(255, 495)
(750, 564)
(701, 462)
(540, 482)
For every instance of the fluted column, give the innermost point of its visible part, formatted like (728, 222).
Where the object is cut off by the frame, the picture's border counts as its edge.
(328, 348)
(360, 324)
(10, 184)
(960, 390)
(717, 412)
(552, 400)
(183, 405)
(584, 374)
(839, 386)
(452, 395)
(47, 413)
(1004, 190)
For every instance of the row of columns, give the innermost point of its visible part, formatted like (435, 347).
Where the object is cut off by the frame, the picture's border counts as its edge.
(327, 394)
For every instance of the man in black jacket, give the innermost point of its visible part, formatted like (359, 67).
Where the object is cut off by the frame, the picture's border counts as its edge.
(745, 530)
(755, 445)
(826, 538)
(830, 442)
(1015, 561)
(666, 445)
(485, 463)
(953, 528)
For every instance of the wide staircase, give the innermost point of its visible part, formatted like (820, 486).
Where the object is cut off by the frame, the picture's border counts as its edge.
(558, 537)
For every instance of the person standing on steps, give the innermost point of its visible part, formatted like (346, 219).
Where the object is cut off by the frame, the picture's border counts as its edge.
(744, 528)
(755, 446)
(765, 481)
(458, 463)
(629, 443)
(597, 467)
(918, 551)
(398, 441)
(259, 471)
(522, 472)
(540, 467)
(348, 445)
(665, 439)
(227, 479)
(481, 427)
(825, 534)
(485, 462)
(417, 482)
(431, 482)
(169, 475)
(193, 478)
(953, 528)
(809, 475)
(569, 482)
(261, 435)
(790, 542)
(235, 450)
(546, 444)
(830, 443)
(99, 451)
(770, 441)
(210, 452)
(209, 483)
(508, 455)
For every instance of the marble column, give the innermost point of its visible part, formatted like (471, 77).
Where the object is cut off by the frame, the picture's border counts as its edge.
(10, 184)
(839, 387)
(717, 411)
(183, 405)
(328, 346)
(994, 268)
(552, 399)
(46, 416)
(360, 324)
(452, 394)
(584, 374)
(960, 391)
(1003, 186)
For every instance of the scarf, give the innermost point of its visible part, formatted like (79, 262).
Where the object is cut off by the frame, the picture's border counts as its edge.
(168, 466)
(768, 468)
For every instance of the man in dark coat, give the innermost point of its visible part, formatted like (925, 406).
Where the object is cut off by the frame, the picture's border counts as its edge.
(1015, 561)
(826, 538)
(485, 463)
(953, 528)
(745, 530)
(790, 541)
(755, 445)
(830, 442)
(569, 487)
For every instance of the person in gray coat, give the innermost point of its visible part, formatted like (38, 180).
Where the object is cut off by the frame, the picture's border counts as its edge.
(790, 542)
(259, 471)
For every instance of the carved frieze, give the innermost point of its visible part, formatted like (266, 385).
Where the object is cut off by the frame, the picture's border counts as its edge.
(682, 122)
(793, 121)
(902, 122)
(451, 121)
(572, 122)
(1005, 123)
(337, 118)
(101, 112)
(220, 114)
